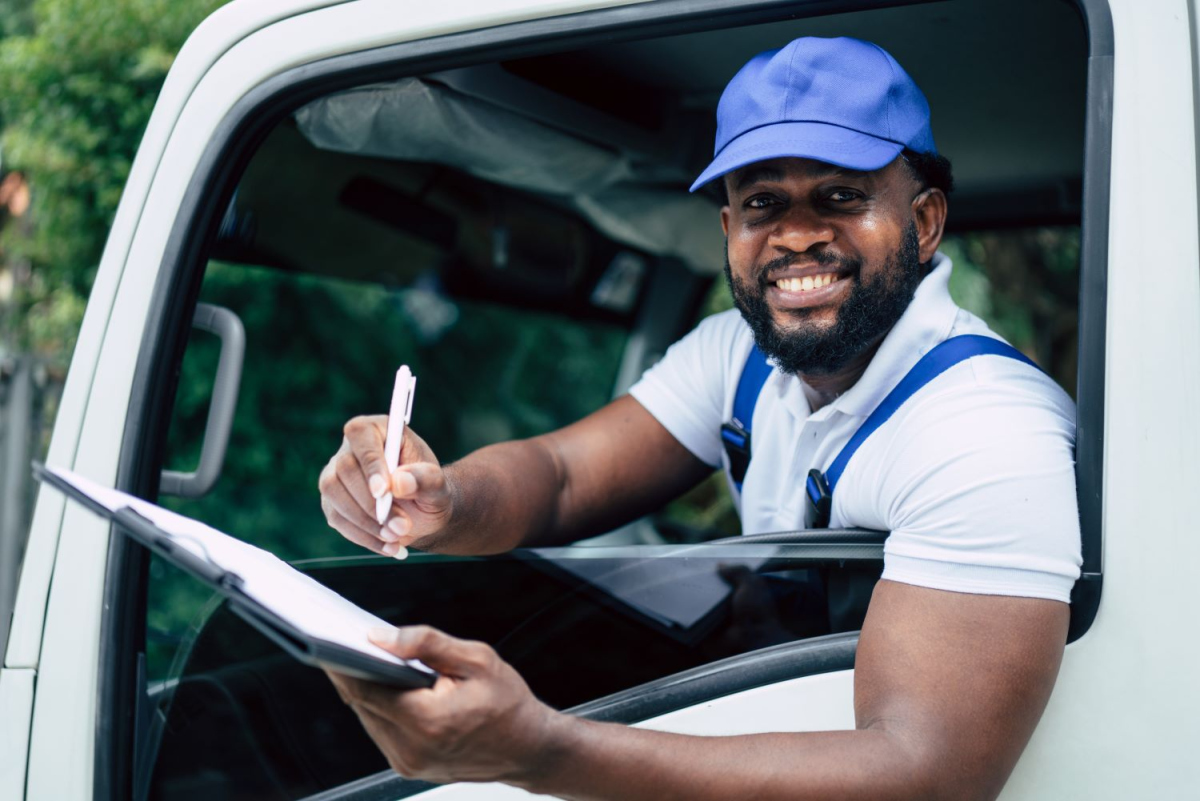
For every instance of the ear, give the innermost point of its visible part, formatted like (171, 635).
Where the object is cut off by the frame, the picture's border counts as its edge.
(725, 220)
(929, 212)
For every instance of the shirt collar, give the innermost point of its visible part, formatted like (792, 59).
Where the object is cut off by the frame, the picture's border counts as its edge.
(926, 322)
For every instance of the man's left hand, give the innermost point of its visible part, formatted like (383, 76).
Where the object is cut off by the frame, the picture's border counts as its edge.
(479, 722)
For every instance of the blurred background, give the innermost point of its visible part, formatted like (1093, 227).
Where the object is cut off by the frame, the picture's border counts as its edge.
(78, 80)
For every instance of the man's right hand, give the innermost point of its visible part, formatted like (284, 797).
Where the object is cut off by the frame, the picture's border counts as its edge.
(613, 466)
(357, 474)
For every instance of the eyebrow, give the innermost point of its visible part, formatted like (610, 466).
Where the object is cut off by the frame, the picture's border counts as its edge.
(754, 174)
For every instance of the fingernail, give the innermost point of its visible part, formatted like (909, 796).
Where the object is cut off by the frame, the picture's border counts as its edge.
(381, 635)
(398, 525)
(378, 485)
(395, 550)
(387, 535)
(405, 482)
(401, 552)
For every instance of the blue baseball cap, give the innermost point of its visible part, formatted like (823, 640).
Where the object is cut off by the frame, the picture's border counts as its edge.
(841, 101)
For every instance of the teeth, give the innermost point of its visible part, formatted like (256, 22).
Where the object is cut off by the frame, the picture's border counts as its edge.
(806, 283)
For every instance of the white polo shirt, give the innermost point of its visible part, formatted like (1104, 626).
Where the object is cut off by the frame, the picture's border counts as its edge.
(974, 476)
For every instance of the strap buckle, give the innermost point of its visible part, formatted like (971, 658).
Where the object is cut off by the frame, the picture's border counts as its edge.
(820, 498)
(737, 447)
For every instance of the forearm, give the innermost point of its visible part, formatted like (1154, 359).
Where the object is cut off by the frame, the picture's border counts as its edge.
(504, 496)
(596, 761)
(948, 688)
(612, 467)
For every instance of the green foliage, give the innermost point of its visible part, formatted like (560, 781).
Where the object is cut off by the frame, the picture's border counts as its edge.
(78, 80)
(1025, 284)
(16, 17)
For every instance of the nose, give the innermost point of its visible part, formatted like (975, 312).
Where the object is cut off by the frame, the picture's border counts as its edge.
(800, 229)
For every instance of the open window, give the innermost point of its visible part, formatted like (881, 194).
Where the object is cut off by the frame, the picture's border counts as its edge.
(514, 224)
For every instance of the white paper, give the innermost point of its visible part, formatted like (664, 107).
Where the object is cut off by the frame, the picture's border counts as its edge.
(302, 601)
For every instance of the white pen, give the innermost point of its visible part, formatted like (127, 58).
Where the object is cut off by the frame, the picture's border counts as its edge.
(398, 417)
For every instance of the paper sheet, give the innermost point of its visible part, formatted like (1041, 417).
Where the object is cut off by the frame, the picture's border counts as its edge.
(300, 600)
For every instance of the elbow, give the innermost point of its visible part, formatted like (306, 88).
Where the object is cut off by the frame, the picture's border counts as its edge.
(931, 769)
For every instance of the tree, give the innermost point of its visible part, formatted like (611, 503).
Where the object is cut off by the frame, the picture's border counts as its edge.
(78, 80)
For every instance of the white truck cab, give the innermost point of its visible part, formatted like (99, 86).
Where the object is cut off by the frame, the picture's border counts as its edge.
(318, 171)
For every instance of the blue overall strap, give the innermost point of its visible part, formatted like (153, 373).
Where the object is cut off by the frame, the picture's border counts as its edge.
(735, 435)
(937, 361)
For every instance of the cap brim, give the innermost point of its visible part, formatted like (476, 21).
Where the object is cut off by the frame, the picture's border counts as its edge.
(819, 141)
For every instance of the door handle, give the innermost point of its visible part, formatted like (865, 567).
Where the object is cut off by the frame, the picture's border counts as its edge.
(228, 327)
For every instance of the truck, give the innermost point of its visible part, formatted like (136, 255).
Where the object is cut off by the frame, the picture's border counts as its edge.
(494, 191)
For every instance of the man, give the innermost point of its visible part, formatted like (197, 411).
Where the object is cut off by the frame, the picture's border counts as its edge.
(835, 206)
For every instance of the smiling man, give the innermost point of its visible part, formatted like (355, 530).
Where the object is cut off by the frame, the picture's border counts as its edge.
(835, 202)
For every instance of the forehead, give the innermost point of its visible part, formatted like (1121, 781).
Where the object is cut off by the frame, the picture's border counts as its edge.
(786, 169)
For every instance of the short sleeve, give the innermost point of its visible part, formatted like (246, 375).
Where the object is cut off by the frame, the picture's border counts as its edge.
(686, 390)
(977, 485)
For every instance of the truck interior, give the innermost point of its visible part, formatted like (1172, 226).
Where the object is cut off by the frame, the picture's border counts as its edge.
(512, 220)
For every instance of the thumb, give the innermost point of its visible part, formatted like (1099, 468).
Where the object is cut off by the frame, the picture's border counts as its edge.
(425, 479)
(445, 654)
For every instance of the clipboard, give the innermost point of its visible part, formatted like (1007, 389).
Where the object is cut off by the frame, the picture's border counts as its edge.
(280, 627)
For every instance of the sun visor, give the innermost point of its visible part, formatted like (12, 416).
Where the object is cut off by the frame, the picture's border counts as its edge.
(422, 121)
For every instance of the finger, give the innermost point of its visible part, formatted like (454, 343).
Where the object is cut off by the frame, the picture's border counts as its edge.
(421, 480)
(355, 534)
(366, 436)
(384, 731)
(341, 684)
(445, 654)
(348, 502)
(370, 704)
(409, 536)
(328, 482)
(398, 534)
(413, 448)
(350, 473)
(396, 550)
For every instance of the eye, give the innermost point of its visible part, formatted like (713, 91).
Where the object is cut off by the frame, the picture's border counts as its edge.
(760, 201)
(844, 196)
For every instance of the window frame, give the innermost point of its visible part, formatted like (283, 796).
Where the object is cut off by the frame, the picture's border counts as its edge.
(120, 705)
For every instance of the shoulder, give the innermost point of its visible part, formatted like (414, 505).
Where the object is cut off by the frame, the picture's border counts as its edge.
(983, 392)
(710, 354)
(975, 478)
(975, 414)
(688, 390)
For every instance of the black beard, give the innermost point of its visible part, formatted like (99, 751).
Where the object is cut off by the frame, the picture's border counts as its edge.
(864, 318)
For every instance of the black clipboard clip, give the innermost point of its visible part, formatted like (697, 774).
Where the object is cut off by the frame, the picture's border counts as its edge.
(145, 531)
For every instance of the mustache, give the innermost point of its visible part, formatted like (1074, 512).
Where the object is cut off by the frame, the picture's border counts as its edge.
(820, 257)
